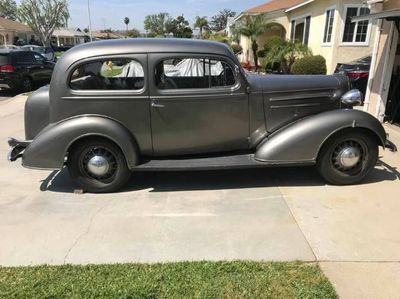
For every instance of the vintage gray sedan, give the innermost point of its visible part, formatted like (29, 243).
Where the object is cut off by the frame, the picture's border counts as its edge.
(164, 104)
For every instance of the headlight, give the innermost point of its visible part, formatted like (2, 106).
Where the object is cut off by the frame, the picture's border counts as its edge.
(352, 98)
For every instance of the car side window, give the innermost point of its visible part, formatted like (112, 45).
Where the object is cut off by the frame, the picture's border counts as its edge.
(24, 58)
(110, 74)
(184, 73)
(39, 58)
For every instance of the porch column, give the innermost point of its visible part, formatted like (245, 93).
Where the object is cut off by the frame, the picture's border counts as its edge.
(381, 70)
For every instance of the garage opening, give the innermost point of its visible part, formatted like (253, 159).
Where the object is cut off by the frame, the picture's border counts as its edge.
(393, 102)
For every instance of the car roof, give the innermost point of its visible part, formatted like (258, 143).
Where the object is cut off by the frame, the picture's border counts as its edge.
(32, 46)
(145, 45)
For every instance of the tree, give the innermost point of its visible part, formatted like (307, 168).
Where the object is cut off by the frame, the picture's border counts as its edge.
(219, 21)
(202, 24)
(285, 53)
(43, 16)
(156, 24)
(133, 33)
(253, 27)
(126, 21)
(8, 9)
(179, 27)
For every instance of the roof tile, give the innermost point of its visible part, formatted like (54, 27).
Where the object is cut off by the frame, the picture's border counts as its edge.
(274, 5)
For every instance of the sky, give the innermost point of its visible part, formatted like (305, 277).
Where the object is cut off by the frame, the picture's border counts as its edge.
(110, 13)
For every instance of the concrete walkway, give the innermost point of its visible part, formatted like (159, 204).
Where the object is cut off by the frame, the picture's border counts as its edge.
(263, 214)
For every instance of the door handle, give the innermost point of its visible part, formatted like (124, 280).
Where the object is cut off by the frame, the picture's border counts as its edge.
(155, 104)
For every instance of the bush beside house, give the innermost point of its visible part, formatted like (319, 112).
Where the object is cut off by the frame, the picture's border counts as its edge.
(310, 65)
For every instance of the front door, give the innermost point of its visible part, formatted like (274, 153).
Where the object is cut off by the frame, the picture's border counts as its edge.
(198, 105)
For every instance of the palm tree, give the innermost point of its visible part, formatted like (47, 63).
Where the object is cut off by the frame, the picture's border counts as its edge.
(253, 27)
(285, 53)
(202, 24)
(126, 21)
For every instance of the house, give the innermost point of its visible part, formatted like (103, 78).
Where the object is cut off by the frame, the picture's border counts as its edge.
(63, 36)
(98, 35)
(324, 25)
(12, 31)
(382, 98)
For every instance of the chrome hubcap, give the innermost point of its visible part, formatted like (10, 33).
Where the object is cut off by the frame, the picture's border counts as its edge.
(349, 157)
(98, 165)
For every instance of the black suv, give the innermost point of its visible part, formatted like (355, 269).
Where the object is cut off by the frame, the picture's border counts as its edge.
(24, 70)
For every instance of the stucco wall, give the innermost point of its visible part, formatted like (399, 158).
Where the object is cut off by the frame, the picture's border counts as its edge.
(345, 53)
(336, 52)
(317, 10)
(391, 4)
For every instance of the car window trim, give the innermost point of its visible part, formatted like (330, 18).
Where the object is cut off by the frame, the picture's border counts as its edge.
(101, 92)
(188, 91)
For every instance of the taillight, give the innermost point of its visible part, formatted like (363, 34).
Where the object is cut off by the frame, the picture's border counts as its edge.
(357, 74)
(8, 68)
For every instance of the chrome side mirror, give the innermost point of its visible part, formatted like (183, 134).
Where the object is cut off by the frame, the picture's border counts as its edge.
(352, 98)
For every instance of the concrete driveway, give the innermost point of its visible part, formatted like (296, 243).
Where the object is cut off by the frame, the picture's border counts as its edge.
(263, 214)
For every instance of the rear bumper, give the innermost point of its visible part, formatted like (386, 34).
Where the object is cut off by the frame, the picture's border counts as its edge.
(17, 148)
(2, 85)
(390, 145)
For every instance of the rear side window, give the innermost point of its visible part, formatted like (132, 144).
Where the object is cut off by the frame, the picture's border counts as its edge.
(23, 58)
(4, 59)
(191, 73)
(115, 74)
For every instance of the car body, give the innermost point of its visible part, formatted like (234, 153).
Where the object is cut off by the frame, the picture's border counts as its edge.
(173, 104)
(47, 52)
(357, 71)
(23, 70)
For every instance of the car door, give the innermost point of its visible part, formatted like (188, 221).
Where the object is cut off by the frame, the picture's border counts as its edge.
(45, 68)
(198, 105)
(26, 65)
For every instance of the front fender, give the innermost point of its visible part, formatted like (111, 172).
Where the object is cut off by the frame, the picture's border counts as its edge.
(49, 148)
(302, 140)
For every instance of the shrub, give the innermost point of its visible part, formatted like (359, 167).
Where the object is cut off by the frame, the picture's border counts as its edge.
(272, 42)
(261, 53)
(236, 48)
(310, 65)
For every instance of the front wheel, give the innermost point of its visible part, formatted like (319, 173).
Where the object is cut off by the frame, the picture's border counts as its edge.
(348, 157)
(97, 166)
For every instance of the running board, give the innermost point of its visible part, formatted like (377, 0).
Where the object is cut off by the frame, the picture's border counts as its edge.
(208, 163)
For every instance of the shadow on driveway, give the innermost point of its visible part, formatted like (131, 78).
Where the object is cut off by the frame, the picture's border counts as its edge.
(159, 181)
(5, 93)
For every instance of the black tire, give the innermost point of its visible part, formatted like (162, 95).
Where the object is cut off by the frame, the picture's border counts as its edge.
(78, 165)
(329, 164)
(27, 84)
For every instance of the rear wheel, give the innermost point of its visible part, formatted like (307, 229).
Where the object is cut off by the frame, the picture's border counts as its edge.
(348, 157)
(27, 84)
(98, 165)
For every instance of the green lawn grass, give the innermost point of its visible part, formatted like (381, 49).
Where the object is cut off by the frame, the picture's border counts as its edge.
(170, 280)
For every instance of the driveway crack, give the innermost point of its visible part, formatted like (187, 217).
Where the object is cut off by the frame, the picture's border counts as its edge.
(297, 223)
(86, 232)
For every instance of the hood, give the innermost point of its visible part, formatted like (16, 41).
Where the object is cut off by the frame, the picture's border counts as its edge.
(285, 83)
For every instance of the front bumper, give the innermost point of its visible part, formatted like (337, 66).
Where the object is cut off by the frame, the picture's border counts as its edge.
(390, 145)
(17, 148)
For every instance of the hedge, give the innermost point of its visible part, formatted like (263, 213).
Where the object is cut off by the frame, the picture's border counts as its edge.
(310, 65)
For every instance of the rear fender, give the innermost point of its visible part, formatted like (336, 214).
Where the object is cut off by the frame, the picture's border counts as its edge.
(301, 141)
(49, 148)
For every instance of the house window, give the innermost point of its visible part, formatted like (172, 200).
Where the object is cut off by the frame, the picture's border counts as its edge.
(300, 29)
(356, 32)
(329, 18)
